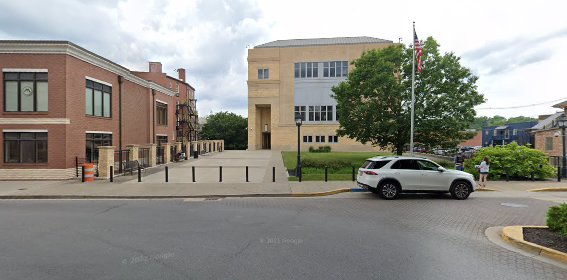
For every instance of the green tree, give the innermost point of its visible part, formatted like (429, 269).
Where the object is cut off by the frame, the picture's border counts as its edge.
(480, 122)
(229, 127)
(519, 162)
(374, 102)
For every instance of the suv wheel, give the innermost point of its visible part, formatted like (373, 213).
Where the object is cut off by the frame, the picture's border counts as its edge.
(388, 190)
(460, 190)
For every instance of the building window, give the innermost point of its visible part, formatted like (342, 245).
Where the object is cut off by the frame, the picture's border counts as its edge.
(548, 143)
(301, 111)
(97, 98)
(333, 139)
(161, 113)
(161, 140)
(94, 140)
(335, 69)
(25, 92)
(515, 132)
(507, 134)
(263, 74)
(320, 139)
(320, 113)
(306, 70)
(25, 147)
(307, 139)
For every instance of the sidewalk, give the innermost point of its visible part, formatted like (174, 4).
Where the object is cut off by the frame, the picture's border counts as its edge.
(207, 183)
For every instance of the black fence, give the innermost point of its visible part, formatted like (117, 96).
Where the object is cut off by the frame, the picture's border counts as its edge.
(160, 155)
(144, 157)
(172, 153)
(122, 161)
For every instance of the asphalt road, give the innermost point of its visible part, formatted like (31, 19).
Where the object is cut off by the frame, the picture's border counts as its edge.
(351, 236)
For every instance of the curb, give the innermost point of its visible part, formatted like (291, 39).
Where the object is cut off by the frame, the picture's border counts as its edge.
(485, 190)
(515, 236)
(313, 194)
(548, 190)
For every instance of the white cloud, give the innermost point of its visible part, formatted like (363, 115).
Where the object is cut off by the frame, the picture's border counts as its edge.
(515, 48)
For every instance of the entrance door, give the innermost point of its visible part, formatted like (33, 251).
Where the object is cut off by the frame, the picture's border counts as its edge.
(266, 140)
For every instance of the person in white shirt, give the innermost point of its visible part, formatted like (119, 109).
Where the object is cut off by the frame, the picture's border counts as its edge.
(483, 169)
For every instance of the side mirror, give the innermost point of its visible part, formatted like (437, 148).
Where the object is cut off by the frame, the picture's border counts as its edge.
(441, 169)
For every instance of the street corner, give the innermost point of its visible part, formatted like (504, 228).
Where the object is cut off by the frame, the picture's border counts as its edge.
(548, 190)
(514, 235)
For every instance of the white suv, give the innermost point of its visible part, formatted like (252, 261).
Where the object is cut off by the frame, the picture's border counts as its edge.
(391, 175)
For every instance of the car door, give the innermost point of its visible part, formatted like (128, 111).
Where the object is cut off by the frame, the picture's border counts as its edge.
(407, 173)
(431, 178)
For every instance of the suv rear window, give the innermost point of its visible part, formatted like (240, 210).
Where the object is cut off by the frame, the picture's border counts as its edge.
(370, 164)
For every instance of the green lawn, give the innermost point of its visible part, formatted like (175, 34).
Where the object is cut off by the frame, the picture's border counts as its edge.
(349, 159)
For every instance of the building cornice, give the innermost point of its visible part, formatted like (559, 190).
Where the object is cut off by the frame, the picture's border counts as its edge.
(35, 121)
(68, 48)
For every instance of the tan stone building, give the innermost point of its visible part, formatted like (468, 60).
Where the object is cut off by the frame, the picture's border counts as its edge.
(296, 76)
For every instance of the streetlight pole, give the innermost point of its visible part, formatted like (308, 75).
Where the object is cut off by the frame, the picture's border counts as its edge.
(298, 121)
(562, 123)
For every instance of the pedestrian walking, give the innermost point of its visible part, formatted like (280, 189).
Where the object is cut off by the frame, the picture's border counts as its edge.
(483, 169)
(460, 162)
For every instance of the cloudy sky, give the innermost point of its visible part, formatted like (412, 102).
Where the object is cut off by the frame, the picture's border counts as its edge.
(517, 50)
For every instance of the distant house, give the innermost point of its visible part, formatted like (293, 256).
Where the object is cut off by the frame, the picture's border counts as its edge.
(546, 133)
(508, 133)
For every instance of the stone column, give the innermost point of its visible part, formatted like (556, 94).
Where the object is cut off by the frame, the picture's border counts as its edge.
(134, 152)
(153, 155)
(105, 160)
(178, 146)
(166, 152)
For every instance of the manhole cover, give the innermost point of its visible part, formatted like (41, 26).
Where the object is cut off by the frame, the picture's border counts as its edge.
(513, 205)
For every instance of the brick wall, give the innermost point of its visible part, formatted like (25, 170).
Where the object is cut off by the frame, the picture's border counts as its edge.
(540, 137)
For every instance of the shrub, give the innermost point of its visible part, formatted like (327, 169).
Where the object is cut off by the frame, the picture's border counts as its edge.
(321, 149)
(557, 219)
(333, 164)
(518, 161)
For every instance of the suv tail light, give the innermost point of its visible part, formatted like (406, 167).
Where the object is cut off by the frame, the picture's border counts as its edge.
(370, 173)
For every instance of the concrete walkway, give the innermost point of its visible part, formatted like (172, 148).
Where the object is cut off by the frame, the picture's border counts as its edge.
(233, 164)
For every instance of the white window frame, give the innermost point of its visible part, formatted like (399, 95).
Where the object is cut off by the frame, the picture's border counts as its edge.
(263, 73)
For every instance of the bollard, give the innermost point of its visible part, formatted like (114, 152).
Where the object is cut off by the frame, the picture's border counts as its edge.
(326, 172)
(220, 173)
(558, 173)
(353, 174)
(139, 174)
(166, 175)
(83, 173)
(246, 173)
(193, 173)
(273, 174)
(111, 173)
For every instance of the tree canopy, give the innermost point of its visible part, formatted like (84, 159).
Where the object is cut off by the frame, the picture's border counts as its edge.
(229, 127)
(373, 104)
(480, 122)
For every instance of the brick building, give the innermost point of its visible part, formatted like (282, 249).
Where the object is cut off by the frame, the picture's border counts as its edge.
(60, 102)
(548, 135)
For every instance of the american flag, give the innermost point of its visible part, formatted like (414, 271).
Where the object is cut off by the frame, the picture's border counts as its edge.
(418, 52)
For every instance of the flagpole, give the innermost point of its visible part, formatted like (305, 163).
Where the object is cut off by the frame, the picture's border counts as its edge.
(412, 90)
